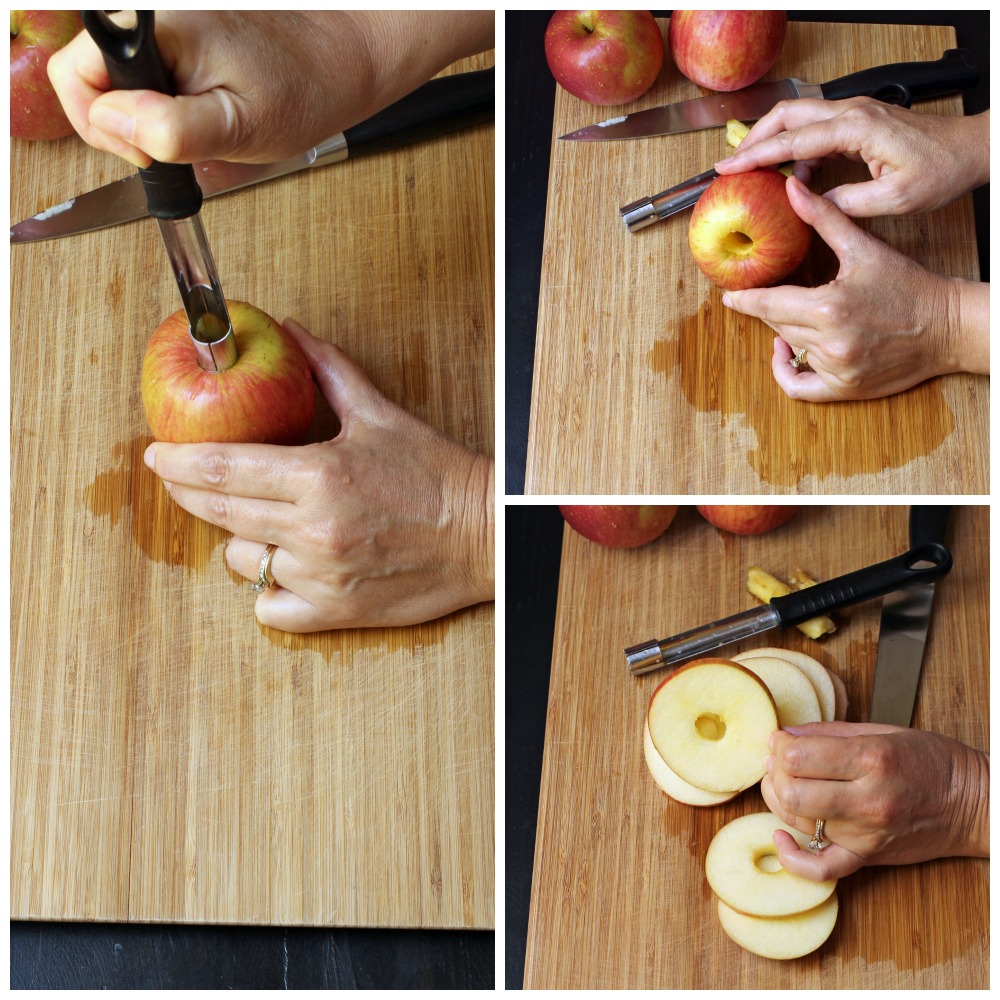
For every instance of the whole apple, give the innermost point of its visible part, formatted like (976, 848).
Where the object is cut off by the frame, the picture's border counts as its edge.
(604, 56)
(726, 49)
(620, 526)
(744, 232)
(266, 397)
(35, 111)
(747, 519)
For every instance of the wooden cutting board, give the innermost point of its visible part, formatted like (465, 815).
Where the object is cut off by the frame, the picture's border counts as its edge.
(172, 760)
(645, 383)
(619, 896)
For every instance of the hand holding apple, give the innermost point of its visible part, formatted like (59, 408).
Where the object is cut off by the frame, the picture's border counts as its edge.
(604, 56)
(726, 49)
(619, 525)
(388, 523)
(884, 324)
(35, 35)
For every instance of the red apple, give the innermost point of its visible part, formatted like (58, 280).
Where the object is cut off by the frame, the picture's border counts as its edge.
(744, 232)
(621, 526)
(747, 519)
(604, 56)
(35, 111)
(266, 396)
(726, 49)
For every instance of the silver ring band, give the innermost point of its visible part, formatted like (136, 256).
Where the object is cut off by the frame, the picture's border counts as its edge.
(264, 577)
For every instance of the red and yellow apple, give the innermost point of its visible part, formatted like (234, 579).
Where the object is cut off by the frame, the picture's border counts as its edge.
(266, 397)
(726, 49)
(35, 111)
(620, 526)
(744, 232)
(747, 518)
(604, 56)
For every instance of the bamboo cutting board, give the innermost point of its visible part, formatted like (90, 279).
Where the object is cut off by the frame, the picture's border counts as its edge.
(619, 897)
(645, 383)
(172, 760)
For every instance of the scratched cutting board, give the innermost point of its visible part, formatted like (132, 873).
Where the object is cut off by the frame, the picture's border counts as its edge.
(171, 759)
(645, 383)
(619, 897)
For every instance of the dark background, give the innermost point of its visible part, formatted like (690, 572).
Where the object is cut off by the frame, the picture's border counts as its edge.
(530, 98)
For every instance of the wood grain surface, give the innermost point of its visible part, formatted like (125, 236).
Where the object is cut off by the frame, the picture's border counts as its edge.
(645, 383)
(619, 896)
(172, 760)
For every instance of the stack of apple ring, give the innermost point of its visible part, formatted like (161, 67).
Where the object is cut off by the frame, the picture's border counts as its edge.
(705, 741)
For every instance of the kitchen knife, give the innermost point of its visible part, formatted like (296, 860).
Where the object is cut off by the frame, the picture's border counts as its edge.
(902, 634)
(897, 83)
(444, 105)
(173, 196)
(921, 564)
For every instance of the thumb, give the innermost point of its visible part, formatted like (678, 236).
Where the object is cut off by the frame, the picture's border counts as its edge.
(834, 228)
(170, 129)
(841, 729)
(344, 384)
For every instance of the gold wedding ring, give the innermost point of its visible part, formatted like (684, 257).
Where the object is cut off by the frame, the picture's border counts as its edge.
(800, 359)
(817, 843)
(264, 577)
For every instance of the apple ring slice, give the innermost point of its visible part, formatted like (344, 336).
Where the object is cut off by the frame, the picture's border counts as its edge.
(743, 870)
(818, 675)
(791, 689)
(710, 721)
(781, 937)
(840, 692)
(674, 785)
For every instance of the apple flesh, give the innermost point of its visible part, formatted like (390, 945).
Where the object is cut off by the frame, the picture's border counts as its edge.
(781, 937)
(726, 49)
(672, 784)
(747, 519)
(622, 526)
(35, 111)
(604, 56)
(744, 232)
(266, 397)
(793, 693)
(819, 677)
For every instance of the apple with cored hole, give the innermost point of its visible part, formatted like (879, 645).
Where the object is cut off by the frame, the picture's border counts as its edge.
(620, 526)
(266, 397)
(726, 49)
(35, 111)
(604, 56)
(744, 232)
(747, 519)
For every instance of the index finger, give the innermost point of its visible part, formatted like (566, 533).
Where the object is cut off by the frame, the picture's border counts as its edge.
(834, 758)
(260, 471)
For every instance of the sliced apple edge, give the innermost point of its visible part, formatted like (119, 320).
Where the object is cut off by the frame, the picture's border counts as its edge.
(781, 938)
(818, 675)
(673, 785)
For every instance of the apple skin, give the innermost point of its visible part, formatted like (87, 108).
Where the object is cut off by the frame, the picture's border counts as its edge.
(747, 519)
(267, 397)
(35, 111)
(726, 49)
(744, 232)
(604, 56)
(620, 526)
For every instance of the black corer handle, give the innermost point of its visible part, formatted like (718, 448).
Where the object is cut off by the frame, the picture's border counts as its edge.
(440, 106)
(903, 83)
(864, 584)
(928, 523)
(133, 61)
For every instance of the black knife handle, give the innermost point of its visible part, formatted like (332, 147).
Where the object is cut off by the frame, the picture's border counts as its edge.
(864, 584)
(443, 105)
(928, 523)
(134, 63)
(903, 83)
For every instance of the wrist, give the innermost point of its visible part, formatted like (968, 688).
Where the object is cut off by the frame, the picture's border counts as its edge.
(973, 826)
(968, 326)
(475, 535)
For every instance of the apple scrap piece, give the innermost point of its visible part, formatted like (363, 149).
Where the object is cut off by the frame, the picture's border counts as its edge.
(710, 721)
(766, 587)
(781, 937)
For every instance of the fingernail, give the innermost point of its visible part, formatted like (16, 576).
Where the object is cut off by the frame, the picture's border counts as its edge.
(113, 121)
(769, 763)
(770, 742)
(147, 456)
(168, 487)
(727, 300)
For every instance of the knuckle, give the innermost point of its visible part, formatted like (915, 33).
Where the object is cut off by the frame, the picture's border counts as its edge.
(220, 509)
(215, 469)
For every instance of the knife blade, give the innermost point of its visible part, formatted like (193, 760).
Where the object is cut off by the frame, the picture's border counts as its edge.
(440, 107)
(905, 621)
(926, 562)
(897, 83)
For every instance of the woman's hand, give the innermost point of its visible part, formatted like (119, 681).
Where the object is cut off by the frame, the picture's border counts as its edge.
(388, 523)
(256, 86)
(889, 796)
(882, 325)
(918, 162)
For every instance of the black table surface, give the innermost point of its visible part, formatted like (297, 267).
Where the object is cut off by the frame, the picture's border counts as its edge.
(530, 97)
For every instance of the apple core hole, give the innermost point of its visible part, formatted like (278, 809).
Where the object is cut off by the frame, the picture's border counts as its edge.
(738, 243)
(710, 727)
(768, 862)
